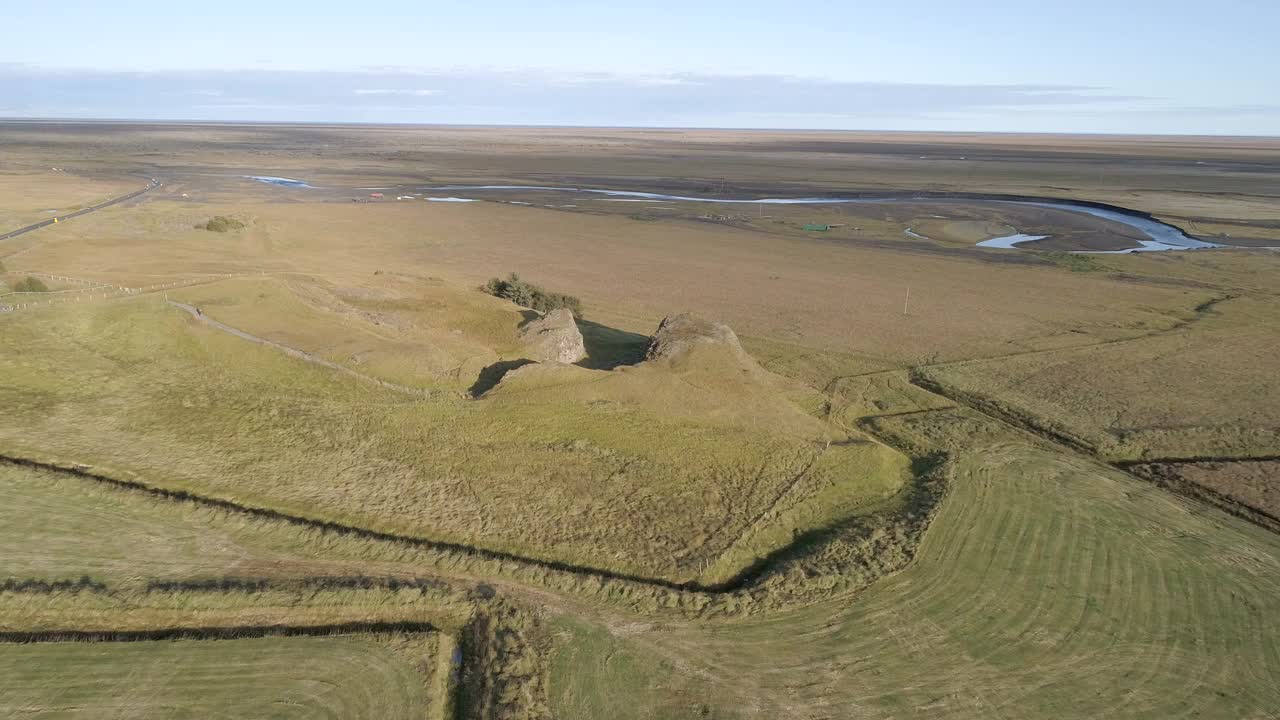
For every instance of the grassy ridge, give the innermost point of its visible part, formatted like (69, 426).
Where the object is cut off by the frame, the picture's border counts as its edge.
(144, 390)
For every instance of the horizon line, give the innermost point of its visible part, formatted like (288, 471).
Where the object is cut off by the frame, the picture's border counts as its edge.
(17, 120)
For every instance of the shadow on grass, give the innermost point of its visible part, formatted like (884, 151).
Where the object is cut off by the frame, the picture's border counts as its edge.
(528, 316)
(492, 375)
(608, 348)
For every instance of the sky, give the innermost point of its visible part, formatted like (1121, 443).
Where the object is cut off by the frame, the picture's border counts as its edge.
(1120, 66)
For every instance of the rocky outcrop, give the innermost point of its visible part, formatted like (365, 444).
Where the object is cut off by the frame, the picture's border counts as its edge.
(679, 335)
(553, 338)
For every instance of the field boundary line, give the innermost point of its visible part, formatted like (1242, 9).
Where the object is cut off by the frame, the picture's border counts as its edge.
(752, 580)
(1197, 459)
(345, 529)
(216, 632)
(1186, 490)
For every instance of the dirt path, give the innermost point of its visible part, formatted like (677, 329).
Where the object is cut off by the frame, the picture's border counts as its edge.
(302, 354)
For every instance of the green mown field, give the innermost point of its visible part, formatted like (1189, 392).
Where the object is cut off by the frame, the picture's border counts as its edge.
(1047, 587)
(270, 677)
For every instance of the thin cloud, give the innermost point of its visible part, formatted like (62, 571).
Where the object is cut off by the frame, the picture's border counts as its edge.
(535, 97)
(394, 91)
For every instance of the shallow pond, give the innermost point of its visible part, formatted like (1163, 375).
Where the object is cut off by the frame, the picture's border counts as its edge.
(280, 181)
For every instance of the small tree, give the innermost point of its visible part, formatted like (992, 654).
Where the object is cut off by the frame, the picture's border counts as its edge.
(529, 295)
(31, 285)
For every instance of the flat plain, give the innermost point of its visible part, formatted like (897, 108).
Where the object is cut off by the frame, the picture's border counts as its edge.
(918, 477)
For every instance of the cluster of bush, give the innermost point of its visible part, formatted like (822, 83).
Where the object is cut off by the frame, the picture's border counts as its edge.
(30, 285)
(220, 223)
(529, 295)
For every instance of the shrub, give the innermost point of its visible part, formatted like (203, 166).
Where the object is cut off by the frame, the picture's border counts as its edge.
(529, 295)
(220, 223)
(30, 285)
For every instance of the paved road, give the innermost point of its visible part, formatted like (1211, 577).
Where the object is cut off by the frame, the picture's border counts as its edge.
(45, 223)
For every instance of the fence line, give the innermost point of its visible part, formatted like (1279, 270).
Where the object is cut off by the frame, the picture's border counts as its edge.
(118, 291)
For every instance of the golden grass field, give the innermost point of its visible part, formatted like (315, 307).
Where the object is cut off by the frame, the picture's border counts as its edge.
(289, 453)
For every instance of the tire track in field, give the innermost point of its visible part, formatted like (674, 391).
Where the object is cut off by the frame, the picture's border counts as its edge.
(1048, 587)
(302, 354)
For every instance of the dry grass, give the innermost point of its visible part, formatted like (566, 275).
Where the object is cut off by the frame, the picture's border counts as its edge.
(1201, 391)
(30, 195)
(805, 292)
(1046, 587)
(1251, 483)
(589, 476)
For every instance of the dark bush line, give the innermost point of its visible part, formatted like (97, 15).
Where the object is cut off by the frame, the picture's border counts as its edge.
(256, 585)
(215, 633)
(39, 586)
(351, 530)
(1161, 474)
(922, 501)
(526, 294)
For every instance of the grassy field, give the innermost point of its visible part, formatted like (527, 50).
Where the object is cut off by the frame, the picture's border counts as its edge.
(809, 292)
(292, 677)
(887, 508)
(1046, 587)
(56, 527)
(145, 391)
(1202, 391)
(30, 195)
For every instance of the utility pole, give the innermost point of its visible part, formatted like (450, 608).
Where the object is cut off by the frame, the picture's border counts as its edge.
(906, 300)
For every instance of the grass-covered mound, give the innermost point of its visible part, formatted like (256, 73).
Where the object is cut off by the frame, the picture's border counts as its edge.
(635, 475)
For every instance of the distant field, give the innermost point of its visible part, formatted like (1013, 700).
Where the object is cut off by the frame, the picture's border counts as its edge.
(270, 677)
(1205, 390)
(39, 194)
(812, 294)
